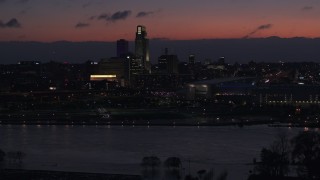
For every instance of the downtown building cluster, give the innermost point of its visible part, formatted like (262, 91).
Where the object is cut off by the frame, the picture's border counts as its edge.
(130, 69)
(258, 83)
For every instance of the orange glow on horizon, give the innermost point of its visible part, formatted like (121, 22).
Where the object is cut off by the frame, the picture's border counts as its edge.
(185, 31)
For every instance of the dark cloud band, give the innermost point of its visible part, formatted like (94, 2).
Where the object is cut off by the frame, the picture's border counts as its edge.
(81, 25)
(13, 23)
(144, 14)
(119, 15)
(259, 28)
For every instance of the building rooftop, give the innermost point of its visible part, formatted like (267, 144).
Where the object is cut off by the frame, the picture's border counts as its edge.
(222, 80)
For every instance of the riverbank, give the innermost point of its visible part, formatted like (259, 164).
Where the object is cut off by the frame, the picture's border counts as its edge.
(148, 117)
(200, 121)
(119, 150)
(80, 121)
(17, 174)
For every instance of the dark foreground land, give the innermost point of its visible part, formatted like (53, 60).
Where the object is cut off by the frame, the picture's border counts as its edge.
(260, 177)
(9, 174)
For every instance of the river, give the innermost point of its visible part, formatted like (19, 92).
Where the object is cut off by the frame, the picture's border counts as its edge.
(116, 149)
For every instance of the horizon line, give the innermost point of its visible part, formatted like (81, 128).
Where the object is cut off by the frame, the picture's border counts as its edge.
(166, 39)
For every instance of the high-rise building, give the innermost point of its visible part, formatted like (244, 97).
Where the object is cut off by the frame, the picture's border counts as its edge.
(142, 49)
(168, 63)
(221, 61)
(113, 69)
(122, 48)
(192, 59)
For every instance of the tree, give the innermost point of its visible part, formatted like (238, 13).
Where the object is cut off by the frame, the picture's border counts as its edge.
(306, 153)
(282, 147)
(173, 174)
(209, 175)
(190, 177)
(16, 156)
(173, 165)
(223, 176)
(275, 160)
(2, 155)
(172, 162)
(201, 173)
(269, 165)
(153, 162)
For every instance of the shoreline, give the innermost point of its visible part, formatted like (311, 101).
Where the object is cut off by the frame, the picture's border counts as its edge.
(153, 120)
(134, 122)
(48, 175)
(173, 124)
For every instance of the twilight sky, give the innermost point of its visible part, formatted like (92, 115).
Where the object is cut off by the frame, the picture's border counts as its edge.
(109, 20)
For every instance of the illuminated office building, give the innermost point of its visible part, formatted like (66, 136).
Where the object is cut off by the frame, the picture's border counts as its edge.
(142, 50)
(112, 69)
(192, 59)
(168, 64)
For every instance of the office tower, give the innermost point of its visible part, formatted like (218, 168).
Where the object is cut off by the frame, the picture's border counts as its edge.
(142, 49)
(112, 69)
(192, 59)
(221, 61)
(168, 64)
(207, 61)
(122, 48)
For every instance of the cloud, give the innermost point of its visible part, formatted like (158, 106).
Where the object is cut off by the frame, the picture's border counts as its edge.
(307, 8)
(144, 14)
(81, 25)
(92, 17)
(102, 16)
(13, 23)
(265, 26)
(119, 15)
(260, 28)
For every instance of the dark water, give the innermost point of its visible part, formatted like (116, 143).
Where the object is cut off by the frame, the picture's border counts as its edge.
(120, 149)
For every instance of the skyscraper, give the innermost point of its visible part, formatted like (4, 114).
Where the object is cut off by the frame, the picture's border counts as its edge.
(192, 59)
(168, 63)
(142, 49)
(122, 48)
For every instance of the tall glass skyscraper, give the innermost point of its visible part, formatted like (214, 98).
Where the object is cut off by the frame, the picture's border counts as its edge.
(142, 49)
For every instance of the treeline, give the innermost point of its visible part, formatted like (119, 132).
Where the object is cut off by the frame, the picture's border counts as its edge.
(296, 158)
(12, 158)
(174, 170)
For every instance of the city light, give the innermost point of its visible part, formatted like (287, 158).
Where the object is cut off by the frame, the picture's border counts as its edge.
(103, 76)
(67, 99)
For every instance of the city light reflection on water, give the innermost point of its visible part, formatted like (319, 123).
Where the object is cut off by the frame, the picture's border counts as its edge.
(119, 149)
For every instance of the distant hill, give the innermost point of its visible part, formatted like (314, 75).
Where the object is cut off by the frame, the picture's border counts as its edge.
(270, 49)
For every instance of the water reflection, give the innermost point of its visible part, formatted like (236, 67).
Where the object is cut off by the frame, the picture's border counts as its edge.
(119, 149)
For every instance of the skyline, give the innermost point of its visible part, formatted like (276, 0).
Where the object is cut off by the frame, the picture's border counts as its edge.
(104, 20)
(272, 49)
